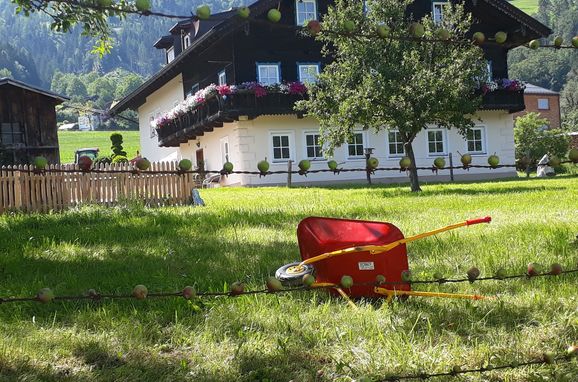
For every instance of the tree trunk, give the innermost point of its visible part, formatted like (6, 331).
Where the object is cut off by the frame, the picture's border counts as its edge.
(413, 178)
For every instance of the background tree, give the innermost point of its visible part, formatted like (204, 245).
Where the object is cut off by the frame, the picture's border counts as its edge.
(533, 139)
(569, 102)
(5, 73)
(376, 83)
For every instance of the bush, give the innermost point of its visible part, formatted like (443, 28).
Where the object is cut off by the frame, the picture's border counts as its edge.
(117, 149)
(533, 140)
(119, 159)
(103, 159)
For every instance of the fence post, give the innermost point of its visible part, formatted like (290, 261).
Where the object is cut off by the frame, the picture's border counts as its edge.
(368, 152)
(451, 167)
(289, 169)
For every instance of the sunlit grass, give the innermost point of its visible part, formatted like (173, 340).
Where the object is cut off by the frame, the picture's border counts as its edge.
(246, 234)
(70, 141)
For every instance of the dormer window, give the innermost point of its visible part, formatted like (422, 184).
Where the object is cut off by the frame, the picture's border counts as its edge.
(186, 41)
(305, 10)
(438, 12)
(170, 54)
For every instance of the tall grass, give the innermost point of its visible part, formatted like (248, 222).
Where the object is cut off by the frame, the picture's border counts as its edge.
(246, 234)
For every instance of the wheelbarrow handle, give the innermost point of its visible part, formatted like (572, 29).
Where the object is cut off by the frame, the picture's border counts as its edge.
(487, 219)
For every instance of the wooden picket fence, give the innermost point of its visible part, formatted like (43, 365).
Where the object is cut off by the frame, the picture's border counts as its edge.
(24, 190)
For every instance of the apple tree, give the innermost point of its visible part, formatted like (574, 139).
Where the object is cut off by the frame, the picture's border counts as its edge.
(382, 78)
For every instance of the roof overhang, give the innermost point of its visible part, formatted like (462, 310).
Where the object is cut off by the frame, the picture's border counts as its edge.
(9, 81)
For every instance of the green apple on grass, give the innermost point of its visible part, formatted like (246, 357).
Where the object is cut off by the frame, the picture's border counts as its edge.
(45, 295)
(140, 292)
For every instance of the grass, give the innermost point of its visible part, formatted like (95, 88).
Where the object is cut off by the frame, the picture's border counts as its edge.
(70, 141)
(246, 234)
(528, 6)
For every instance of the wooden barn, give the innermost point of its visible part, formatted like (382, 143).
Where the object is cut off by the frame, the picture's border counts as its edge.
(27, 123)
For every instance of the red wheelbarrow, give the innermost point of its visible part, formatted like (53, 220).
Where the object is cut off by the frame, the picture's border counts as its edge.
(364, 250)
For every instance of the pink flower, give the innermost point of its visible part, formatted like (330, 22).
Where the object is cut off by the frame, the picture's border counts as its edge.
(297, 88)
(223, 90)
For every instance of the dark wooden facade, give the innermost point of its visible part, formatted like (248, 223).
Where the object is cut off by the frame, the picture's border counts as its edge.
(27, 123)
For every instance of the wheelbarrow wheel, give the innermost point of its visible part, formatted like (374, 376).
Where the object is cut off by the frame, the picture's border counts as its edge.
(291, 275)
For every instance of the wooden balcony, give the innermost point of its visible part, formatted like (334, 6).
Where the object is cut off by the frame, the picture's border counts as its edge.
(512, 101)
(221, 109)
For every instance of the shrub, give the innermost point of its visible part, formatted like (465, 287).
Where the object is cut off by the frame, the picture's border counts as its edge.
(533, 140)
(119, 159)
(103, 159)
(117, 149)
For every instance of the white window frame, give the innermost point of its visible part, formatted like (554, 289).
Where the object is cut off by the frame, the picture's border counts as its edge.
(269, 65)
(484, 141)
(222, 78)
(441, 5)
(301, 17)
(225, 149)
(388, 142)
(306, 146)
(364, 144)
(444, 142)
(170, 54)
(304, 65)
(282, 133)
(547, 104)
(186, 41)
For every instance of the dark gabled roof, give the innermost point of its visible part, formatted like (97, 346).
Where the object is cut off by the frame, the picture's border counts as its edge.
(22, 85)
(164, 42)
(222, 24)
(525, 19)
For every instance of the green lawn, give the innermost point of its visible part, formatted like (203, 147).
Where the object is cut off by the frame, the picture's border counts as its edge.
(246, 234)
(70, 141)
(528, 6)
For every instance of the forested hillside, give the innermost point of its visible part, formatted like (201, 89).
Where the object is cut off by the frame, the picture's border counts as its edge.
(33, 53)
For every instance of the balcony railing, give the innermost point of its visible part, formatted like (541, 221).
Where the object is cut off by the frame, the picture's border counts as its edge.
(218, 110)
(501, 99)
(221, 109)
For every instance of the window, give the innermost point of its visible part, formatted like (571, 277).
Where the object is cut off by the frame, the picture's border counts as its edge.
(308, 72)
(186, 41)
(11, 134)
(312, 146)
(543, 104)
(395, 143)
(170, 54)
(438, 12)
(194, 89)
(435, 141)
(268, 74)
(476, 140)
(154, 115)
(225, 150)
(355, 145)
(281, 144)
(222, 78)
(305, 10)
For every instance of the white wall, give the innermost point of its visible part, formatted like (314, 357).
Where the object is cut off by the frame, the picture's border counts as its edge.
(159, 102)
(250, 142)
